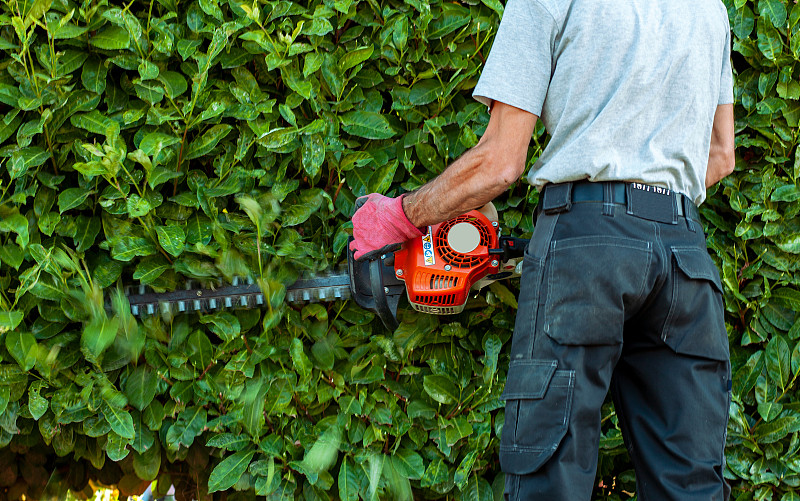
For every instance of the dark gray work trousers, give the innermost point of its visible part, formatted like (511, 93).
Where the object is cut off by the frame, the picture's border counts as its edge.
(619, 296)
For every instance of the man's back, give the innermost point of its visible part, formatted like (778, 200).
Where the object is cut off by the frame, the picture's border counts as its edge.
(632, 87)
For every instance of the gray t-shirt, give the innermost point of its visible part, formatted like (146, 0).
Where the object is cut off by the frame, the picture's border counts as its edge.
(627, 90)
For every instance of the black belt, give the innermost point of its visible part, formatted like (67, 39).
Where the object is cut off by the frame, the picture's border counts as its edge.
(649, 202)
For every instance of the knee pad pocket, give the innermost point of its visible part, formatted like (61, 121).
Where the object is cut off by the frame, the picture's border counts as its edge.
(538, 404)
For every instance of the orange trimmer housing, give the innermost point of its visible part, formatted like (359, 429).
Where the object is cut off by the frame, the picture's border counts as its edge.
(440, 268)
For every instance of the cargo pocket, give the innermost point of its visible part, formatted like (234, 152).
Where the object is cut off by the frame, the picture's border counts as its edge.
(695, 324)
(538, 403)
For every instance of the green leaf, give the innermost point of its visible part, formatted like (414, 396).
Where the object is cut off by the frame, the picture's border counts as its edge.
(788, 242)
(87, 230)
(71, 198)
(441, 389)
(252, 403)
(11, 255)
(323, 352)
(208, 141)
(174, 83)
(313, 154)
(277, 138)
(128, 248)
(37, 10)
(95, 122)
(223, 324)
(495, 5)
(111, 38)
(22, 346)
(9, 128)
(200, 350)
(381, 180)
(140, 387)
(453, 18)
(172, 239)
(148, 464)
(120, 420)
(190, 424)
(367, 124)
(229, 441)
(25, 158)
(9, 320)
(768, 433)
(160, 175)
(37, 404)
(355, 57)
(94, 74)
(505, 295)
(769, 410)
(18, 224)
(310, 201)
(301, 362)
(778, 361)
(409, 464)
(790, 496)
(291, 75)
(138, 206)
(150, 91)
(743, 22)
(148, 70)
(98, 335)
(774, 11)
(228, 471)
(323, 453)
(769, 40)
(116, 447)
(348, 482)
(425, 92)
(318, 26)
(790, 296)
(475, 488)
(48, 222)
(492, 347)
(150, 268)
(154, 142)
(435, 474)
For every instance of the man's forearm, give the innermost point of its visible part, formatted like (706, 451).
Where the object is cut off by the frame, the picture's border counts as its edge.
(470, 182)
(720, 164)
(479, 175)
(721, 156)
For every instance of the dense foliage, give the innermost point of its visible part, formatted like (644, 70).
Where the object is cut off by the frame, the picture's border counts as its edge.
(157, 142)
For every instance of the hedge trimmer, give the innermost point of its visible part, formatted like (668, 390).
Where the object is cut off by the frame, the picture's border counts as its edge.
(436, 272)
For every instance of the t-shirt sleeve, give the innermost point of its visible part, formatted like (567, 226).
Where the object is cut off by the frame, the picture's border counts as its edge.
(726, 78)
(518, 69)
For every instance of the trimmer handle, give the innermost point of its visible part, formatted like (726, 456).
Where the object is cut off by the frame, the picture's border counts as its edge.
(375, 287)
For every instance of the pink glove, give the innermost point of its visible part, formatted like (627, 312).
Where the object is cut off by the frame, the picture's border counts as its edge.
(379, 224)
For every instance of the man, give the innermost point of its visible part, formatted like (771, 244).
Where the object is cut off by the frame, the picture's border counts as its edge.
(618, 291)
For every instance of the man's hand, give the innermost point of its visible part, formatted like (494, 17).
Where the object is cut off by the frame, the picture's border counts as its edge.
(379, 224)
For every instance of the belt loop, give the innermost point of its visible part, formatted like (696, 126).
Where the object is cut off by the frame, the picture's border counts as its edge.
(608, 199)
(629, 198)
(686, 212)
(557, 198)
(675, 201)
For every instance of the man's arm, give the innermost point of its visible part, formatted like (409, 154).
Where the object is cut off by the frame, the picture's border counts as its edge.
(479, 175)
(721, 159)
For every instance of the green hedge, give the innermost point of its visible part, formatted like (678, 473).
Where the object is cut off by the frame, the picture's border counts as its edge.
(161, 142)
